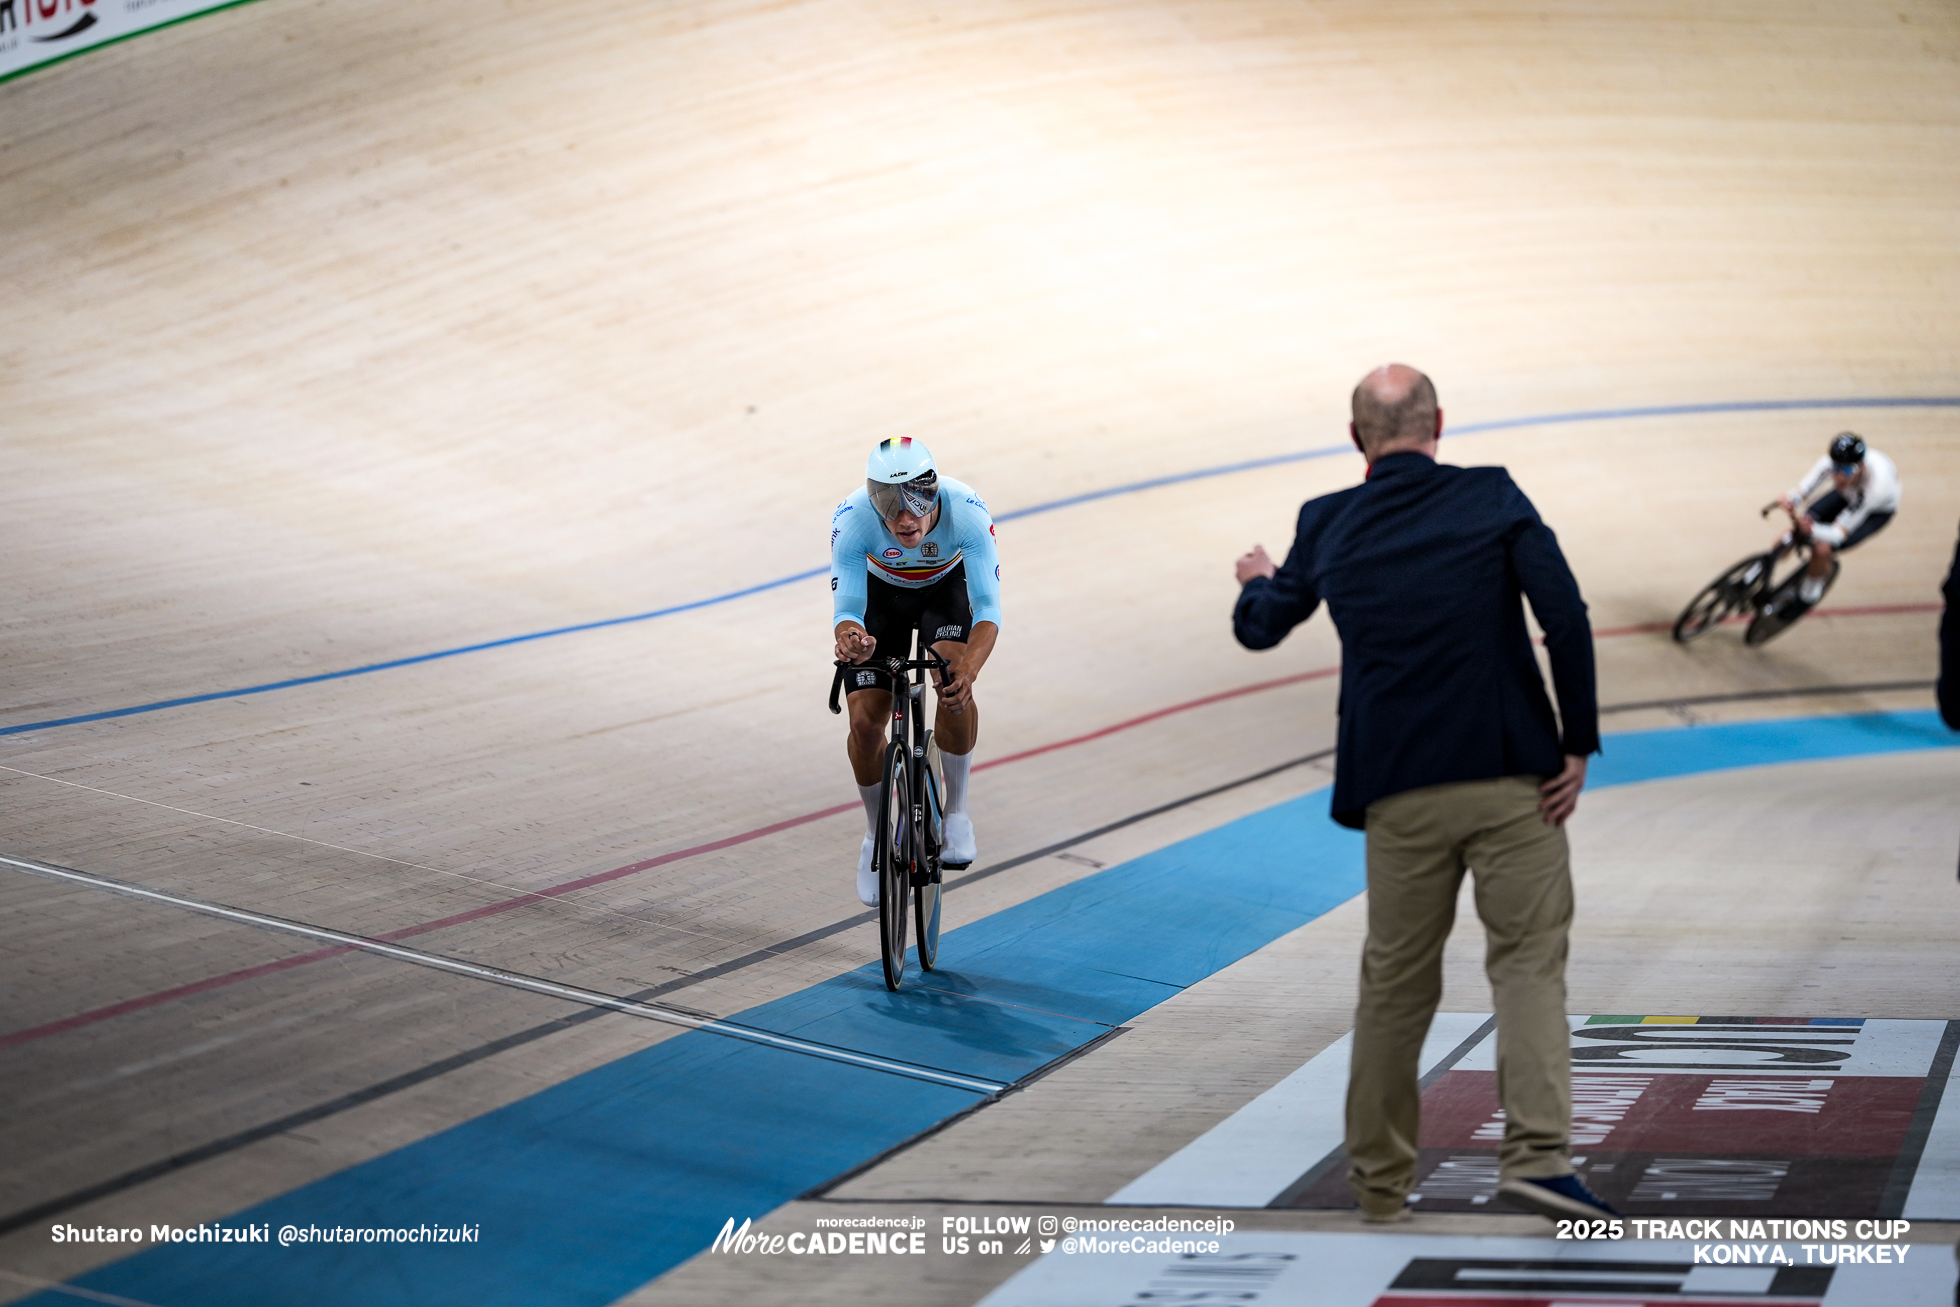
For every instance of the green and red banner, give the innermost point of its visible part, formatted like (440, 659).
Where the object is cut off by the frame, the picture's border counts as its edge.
(35, 32)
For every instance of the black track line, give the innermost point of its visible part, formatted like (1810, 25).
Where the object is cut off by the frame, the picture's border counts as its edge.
(456, 1061)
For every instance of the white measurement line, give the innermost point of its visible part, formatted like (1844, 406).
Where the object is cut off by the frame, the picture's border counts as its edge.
(516, 890)
(515, 979)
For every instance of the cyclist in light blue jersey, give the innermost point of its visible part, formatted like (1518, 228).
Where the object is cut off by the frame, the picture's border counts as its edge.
(913, 550)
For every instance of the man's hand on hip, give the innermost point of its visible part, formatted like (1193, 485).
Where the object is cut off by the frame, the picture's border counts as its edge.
(1256, 563)
(1561, 793)
(854, 643)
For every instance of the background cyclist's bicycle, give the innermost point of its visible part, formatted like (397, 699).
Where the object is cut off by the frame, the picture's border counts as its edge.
(1754, 586)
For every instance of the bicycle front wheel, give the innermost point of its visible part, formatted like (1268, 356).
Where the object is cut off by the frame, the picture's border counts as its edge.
(893, 860)
(926, 905)
(926, 888)
(1724, 595)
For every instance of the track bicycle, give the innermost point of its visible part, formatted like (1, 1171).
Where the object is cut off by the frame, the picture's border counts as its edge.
(1753, 585)
(911, 813)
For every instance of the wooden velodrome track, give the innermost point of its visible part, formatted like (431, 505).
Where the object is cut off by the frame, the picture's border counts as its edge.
(343, 334)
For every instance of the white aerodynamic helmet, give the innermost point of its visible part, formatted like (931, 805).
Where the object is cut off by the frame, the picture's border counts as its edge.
(901, 476)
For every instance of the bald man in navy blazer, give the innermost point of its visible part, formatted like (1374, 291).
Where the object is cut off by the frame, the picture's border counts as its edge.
(1451, 757)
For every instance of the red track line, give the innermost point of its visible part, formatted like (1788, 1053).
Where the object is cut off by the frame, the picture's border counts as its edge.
(1161, 712)
(1878, 610)
(601, 877)
(164, 996)
(633, 868)
(406, 932)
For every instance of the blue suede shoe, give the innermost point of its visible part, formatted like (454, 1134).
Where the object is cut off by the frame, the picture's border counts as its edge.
(1564, 1198)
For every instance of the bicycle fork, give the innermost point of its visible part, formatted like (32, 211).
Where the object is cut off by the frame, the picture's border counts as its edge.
(924, 787)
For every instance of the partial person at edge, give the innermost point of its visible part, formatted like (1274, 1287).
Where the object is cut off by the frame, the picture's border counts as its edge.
(1949, 683)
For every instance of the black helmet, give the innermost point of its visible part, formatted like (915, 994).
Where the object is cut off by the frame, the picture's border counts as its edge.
(1847, 451)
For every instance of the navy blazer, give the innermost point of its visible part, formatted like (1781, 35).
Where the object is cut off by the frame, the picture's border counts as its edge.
(1422, 567)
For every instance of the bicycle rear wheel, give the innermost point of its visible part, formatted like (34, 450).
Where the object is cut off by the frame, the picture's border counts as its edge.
(1726, 594)
(1784, 607)
(893, 860)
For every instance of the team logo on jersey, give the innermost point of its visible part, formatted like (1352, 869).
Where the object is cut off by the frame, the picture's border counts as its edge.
(930, 549)
(894, 553)
(833, 583)
(950, 633)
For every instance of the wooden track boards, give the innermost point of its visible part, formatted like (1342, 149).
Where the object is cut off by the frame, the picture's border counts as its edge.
(350, 333)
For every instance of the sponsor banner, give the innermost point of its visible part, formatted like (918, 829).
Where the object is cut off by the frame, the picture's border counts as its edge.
(1760, 1046)
(1856, 1116)
(1693, 1116)
(1374, 1270)
(40, 31)
(1827, 1117)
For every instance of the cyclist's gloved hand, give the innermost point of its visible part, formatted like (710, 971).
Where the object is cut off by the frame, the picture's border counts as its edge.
(955, 687)
(854, 643)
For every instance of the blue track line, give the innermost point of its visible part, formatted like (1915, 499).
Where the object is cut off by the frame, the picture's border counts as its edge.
(1129, 488)
(409, 662)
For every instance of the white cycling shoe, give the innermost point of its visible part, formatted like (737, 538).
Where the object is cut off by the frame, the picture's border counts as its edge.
(958, 851)
(867, 878)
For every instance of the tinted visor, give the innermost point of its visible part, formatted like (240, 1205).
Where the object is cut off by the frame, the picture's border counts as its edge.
(917, 496)
(1847, 469)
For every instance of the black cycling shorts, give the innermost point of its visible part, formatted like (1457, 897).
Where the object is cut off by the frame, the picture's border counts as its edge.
(940, 611)
(1827, 509)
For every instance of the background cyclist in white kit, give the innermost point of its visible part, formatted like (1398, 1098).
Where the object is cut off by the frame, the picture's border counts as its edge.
(912, 550)
(1864, 495)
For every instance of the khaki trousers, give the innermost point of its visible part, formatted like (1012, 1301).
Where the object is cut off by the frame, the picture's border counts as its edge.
(1419, 844)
